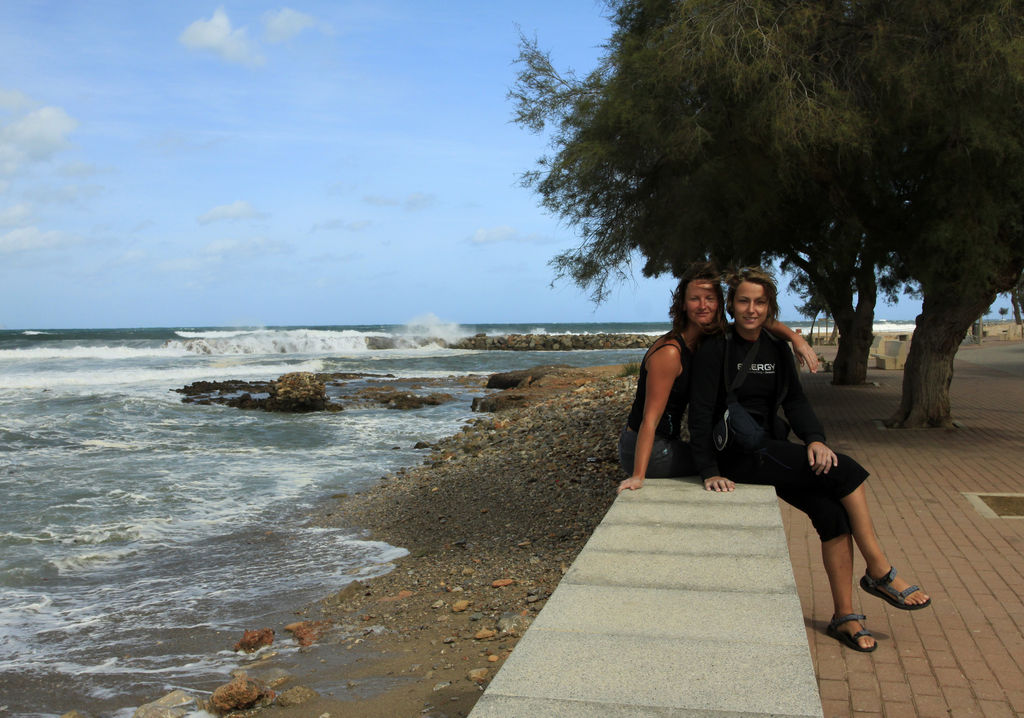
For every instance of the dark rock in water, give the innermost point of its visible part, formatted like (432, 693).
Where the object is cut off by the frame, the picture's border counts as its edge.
(254, 640)
(240, 694)
(512, 379)
(297, 392)
(508, 399)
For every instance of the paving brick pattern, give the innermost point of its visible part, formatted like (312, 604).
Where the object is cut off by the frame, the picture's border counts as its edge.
(963, 656)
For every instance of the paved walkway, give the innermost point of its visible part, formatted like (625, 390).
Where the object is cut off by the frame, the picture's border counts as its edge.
(964, 656)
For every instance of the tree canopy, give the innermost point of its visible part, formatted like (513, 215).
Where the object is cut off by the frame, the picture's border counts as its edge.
(863, 142)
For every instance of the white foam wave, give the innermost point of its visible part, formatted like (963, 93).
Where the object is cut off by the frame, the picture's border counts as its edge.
(163, 377)
(100, 351)
(287, 341)
(429, 325)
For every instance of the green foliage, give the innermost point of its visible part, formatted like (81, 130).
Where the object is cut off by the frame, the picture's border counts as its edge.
(630, 369)
(840, 135)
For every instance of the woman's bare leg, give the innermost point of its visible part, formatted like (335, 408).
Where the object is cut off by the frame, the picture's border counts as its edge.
(878, 565)
(837, 555)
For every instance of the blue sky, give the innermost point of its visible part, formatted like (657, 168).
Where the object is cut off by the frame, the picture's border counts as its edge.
(194, 163)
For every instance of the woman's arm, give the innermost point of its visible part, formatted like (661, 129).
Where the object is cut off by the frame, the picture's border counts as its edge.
(804, 352)
(663, 368)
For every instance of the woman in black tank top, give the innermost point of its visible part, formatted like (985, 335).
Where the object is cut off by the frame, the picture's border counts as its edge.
(651, 443)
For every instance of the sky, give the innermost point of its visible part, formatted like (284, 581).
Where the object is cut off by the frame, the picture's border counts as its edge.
(258, 164)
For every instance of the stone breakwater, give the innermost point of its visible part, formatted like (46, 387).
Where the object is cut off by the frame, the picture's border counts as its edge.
(553, 342)
(487, 342)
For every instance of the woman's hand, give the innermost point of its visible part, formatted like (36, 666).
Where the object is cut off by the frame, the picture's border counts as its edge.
(719, 483)
(805, 354)
(632, 484)
(820, 457)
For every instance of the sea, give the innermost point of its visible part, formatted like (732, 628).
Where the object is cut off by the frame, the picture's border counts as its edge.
(139, 535)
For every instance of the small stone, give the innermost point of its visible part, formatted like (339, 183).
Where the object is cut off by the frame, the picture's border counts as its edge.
(501, 582)
(492, 659)
(441, 686)
(240, 694)
(468, 571)
(296, 695)
(460, 606)
(254, 640)
(173, 705)
(485, 633)
(437, 604)
(478, 675)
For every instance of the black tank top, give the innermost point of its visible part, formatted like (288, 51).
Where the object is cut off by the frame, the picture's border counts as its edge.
(678, 397)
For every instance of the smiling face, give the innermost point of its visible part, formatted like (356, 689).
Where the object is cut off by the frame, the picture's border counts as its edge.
(749, 309)
(702, 303)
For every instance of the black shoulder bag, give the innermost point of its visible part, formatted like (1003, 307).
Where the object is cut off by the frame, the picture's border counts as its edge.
(737, 427)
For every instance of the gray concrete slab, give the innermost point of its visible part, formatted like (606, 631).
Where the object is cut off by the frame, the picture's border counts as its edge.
(737, 572)
(704, 540)
(682, 604)
(682, 615)
(495, 706)
(662, 672)
(691, 491)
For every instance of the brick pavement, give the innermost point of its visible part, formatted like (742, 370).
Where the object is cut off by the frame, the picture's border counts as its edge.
(963, 656)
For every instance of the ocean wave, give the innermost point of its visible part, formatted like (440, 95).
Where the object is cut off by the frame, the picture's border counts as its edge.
(164, 377)
(100, 351)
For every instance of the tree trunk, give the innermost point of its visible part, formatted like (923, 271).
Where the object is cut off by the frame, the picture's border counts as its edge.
(856, 332)
(1015, 302)
(941, 327)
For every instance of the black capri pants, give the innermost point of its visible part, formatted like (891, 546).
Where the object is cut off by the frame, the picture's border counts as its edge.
(783, 464)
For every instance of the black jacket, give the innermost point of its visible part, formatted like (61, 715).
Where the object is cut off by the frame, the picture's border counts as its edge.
(707, 401)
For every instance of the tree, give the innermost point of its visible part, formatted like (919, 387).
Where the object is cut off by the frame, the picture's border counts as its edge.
(1016, 292)
(841, 136)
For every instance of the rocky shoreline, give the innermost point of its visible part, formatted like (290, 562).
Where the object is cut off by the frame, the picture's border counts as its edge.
(492, 518)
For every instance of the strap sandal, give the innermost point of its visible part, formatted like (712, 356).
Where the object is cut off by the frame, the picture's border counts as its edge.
(850, 639)
(883, 589)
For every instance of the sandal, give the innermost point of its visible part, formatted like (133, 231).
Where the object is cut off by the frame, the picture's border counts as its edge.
(850, 639)
(882, 587)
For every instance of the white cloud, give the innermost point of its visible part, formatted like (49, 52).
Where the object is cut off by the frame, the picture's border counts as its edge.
(504, 233)
(26, 239)
(284, 24)
(181, 264)
(331, 224)
(15, 215)
(415, 201)
(217, 35)
(14, 100)
(34, 137)
(235, 249)
(236, 210)
(490, 235)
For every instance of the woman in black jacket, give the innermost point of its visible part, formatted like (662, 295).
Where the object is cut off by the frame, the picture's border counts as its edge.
(810, 476)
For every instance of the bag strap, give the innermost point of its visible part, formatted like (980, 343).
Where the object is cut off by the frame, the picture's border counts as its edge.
(744, 367)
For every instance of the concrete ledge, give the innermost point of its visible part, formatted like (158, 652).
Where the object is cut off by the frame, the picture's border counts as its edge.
(682, 603)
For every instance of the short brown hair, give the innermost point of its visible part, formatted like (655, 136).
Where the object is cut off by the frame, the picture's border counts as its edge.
(697, 272)
(754, 275)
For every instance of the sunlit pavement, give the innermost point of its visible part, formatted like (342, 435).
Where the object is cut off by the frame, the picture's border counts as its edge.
(964, 655)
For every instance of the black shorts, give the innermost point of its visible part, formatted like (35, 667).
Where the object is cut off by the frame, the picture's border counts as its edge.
(784, 465)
